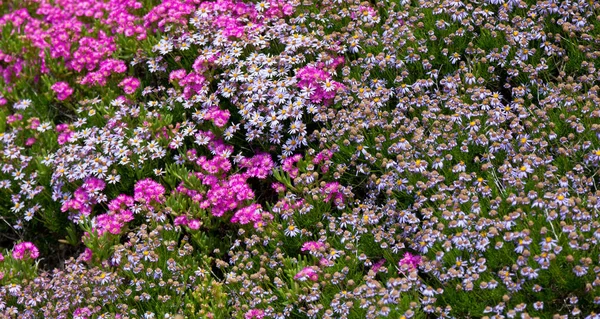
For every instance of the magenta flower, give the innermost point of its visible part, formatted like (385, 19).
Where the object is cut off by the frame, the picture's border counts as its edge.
(319, 83)
(194, 224)
(62, 90)
(25, 250)
(107, 223)
(181, 220)
(148, 190)
(177, 75)
(30, 141)
(129, 84)
(254, 314)
(289, 165)
(378, 265)
(218, 116)
(409, 262)
(324, 262)
(82, 313)
(251, 214)
(307, 273)
(86, 255)
(121, 203)
(312, 246)
(35, 123)
(278, 187)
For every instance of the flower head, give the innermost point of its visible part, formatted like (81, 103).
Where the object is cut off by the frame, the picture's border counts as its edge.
(409, 260)
(25, 250)
(62, 90)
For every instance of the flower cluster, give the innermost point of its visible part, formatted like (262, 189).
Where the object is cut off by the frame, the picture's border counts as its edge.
(129, 85)
(314, 159)
(307, 273)
(25, 250)
(148, 191)
(319, 83)
(120, 212)
(409, 262)
(85, 197)
(62, 90)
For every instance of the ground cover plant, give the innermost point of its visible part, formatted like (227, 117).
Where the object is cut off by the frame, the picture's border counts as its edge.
(299, 159)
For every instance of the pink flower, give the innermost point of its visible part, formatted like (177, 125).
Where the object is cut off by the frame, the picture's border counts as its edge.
(129, 84)
(30, 141)
(194, 224)
(86, 255)
(25, 250)
(64, 137)
(177, 75)
(324, 262)
(312, 246)
(411, 261)
(120, 203)
(378, 265)
(181, 220)
(35, 123)
(82, 313)
(255, 314)
(307, 273)
(148, 190)
(62, 90)
(319, 83)
(278, 187)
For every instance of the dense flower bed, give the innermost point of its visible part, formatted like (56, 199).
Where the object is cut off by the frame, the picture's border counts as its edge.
(299, 159)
